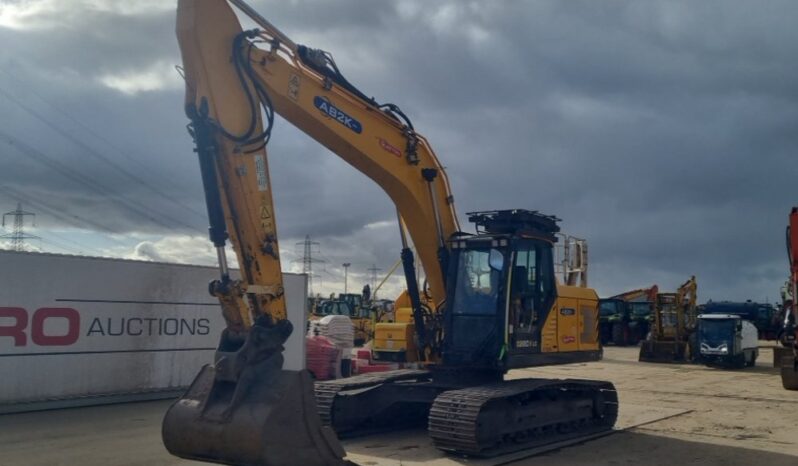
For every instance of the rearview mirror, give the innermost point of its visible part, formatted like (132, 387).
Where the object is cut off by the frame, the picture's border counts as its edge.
(496, 260)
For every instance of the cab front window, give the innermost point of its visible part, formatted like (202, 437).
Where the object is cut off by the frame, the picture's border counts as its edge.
(477, 283)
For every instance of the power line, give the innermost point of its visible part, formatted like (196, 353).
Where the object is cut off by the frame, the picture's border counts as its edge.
(105, 140)
(61, 246)
(95, 154)
(127, 204)
(83, 247)
(18, 236)
(326, 260)
(60, 213)
(80, 179)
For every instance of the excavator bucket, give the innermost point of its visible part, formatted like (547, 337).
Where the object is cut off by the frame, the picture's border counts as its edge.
(246, 410)
(275, 424)
(663, 351)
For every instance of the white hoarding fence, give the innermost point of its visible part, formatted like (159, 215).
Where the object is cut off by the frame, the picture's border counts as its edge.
(78, 330)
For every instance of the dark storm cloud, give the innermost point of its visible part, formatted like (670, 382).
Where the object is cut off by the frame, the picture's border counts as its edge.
(664, 132)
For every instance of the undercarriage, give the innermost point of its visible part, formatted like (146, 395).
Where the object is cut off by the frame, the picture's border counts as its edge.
(475, 420)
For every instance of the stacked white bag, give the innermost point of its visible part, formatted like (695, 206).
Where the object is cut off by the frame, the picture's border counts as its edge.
(340, 331)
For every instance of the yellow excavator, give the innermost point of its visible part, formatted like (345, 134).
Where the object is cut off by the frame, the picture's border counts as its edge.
(672, 337)
(493, 302)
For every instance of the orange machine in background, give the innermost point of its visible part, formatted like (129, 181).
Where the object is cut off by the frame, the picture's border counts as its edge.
(789, 363)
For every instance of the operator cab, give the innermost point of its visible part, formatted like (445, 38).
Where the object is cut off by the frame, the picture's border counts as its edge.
(641, 309)
(668, 304)
(501, 287)
(609, 307)
(333, 308)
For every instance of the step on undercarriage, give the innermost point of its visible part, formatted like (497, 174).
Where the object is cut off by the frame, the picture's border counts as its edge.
(484, 420)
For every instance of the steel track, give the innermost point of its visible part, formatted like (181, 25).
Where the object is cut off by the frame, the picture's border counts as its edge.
(520, 414)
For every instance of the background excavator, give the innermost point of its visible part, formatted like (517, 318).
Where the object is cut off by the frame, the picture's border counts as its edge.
(673, 326)
(492, 303)
(624, 319)
(789, 361)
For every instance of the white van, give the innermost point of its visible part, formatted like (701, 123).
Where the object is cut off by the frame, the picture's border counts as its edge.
(727, 340)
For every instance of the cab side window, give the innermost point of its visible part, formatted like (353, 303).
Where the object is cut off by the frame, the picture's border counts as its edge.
(522, 291)
(532, 286)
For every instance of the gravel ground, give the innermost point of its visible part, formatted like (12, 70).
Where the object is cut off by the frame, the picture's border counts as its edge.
(689, 415)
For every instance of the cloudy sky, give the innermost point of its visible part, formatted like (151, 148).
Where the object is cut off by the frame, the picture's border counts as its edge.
(666, 133)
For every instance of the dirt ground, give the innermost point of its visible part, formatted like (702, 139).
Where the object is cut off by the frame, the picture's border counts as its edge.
(670, 414)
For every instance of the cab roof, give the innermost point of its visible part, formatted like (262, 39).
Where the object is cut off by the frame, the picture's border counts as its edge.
(519, 222)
